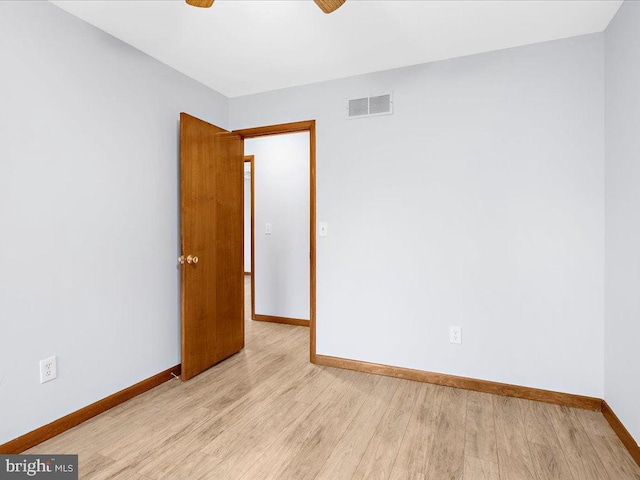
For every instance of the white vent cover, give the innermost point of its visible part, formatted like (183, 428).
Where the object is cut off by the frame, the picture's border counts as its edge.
(370, 106)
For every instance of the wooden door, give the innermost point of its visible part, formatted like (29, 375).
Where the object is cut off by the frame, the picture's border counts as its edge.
(211, 224)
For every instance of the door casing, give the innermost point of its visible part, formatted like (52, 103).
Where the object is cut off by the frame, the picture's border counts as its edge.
(249, 159)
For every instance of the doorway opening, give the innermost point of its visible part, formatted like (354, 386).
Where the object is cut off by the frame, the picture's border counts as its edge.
(280, 235)
(281, 162)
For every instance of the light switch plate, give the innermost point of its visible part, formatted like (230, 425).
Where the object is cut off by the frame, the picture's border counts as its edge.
(323, 229)
(267, 229)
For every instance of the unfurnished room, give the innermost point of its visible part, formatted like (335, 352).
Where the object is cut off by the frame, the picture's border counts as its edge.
(320, 239)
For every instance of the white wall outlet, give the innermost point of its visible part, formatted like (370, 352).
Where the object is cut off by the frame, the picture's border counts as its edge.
(455, 334)
(267, 229)
(48, 369)
(323, 229)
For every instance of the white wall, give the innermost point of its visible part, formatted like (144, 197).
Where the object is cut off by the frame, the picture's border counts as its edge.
(281, 189)
(88, 212)
(479, 203)
(247, 219)
(622, 274)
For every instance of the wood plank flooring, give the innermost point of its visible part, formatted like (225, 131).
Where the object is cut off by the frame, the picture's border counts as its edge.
(267, 413)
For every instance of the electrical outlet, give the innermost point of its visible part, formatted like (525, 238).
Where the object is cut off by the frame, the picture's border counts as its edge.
(455, 334)
(48, 369)
(267, 229)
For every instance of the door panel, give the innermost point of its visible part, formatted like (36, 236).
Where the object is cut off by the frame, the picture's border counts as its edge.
(211, 223)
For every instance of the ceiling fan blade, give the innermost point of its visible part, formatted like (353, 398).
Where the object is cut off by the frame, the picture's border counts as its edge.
(328, 6)
(200, 3)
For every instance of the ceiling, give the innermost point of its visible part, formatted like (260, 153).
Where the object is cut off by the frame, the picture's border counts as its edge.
(240, 47)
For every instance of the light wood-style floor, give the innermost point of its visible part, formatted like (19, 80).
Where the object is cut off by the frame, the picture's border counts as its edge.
(267, 413)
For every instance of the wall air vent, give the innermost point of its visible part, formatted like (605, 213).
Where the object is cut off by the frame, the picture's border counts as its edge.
(370, 106)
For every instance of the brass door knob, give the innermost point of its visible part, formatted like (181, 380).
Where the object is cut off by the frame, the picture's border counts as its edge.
(192, 259)
(181, 259)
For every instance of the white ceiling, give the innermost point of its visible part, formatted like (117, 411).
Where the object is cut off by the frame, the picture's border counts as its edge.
(239, 47)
